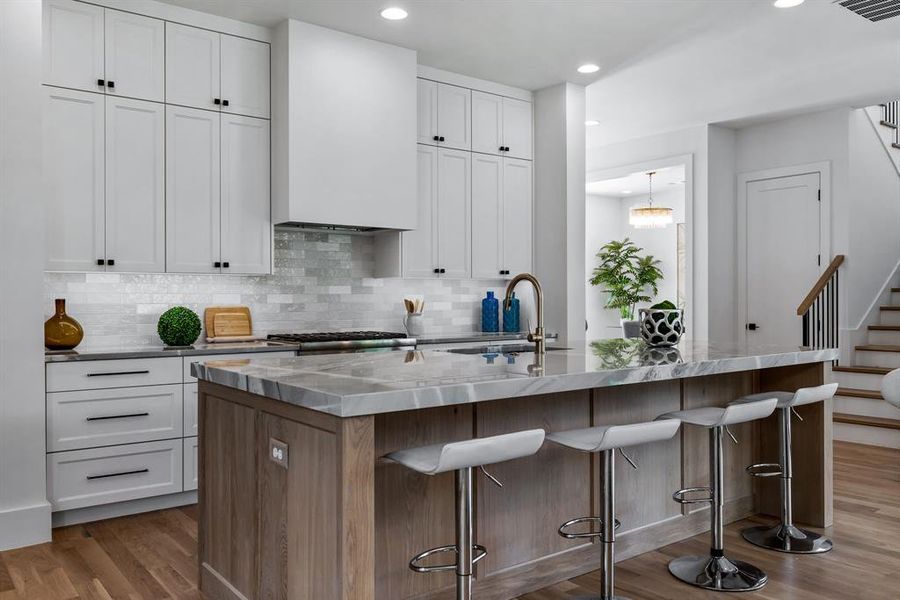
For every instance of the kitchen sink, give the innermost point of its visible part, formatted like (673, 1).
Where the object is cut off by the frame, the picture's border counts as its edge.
(501, 349)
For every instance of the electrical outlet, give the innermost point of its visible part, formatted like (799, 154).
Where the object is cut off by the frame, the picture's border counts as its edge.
(278, 452)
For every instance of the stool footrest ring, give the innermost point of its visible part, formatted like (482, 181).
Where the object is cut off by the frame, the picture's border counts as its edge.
(587, 534)
(479, 553)
(765, 470)
(679, 496)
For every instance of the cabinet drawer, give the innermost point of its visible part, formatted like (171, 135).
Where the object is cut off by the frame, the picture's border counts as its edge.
(191, 464)
(191, 416)
(189, 360)
(92, 418)
(101, 374)
(82, 478)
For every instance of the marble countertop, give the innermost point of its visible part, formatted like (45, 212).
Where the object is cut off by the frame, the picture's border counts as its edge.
(162, 351)
(348, 385)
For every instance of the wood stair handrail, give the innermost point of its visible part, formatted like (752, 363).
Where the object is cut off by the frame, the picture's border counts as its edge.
(820, 284)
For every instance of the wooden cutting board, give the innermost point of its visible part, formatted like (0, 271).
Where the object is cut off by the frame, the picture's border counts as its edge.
(227, 322)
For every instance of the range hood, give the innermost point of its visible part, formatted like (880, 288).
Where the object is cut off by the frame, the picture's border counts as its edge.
(343, 131)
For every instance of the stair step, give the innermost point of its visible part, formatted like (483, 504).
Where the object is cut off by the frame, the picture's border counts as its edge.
(858, 393)
(889, 124)
(867, 421)
(890, 307)
(878, 348)
(895, 289)
(862, 369)
(884, 327)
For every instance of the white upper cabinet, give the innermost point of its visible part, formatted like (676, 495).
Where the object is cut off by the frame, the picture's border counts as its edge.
(454, 117)
(73, 148)
(246, 223)
(192, 191)
(192, 67)
(245, 76)
(454, 194)
(487, 122)
(419, 246)
(427, 110)
(135, 186)
(135, 56)
(517, 216)
(73, 45)
(487, 216)
(517, 132)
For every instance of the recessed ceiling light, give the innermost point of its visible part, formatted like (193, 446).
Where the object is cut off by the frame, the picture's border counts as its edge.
(394, 13)
(591, 123)
(588, 68)
(788, 3)
(626, 191)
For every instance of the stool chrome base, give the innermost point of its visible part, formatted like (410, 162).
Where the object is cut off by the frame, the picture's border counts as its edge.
(719, 574)
(787, 538)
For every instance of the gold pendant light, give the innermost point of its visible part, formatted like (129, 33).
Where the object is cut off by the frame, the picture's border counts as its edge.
(650, 217)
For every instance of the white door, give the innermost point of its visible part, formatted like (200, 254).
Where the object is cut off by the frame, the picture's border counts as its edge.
(73, 45)
(453, 213)
(419, 246)
(426, 116)
(245, 76)
(73, 176)
(135, 185)
(487, 121)
(192, 67)
(192, 191)
(517, 216)
(783, 246)
(517, 128)
(487, 198)
(246, 210)
(454, 116)
(135, 56)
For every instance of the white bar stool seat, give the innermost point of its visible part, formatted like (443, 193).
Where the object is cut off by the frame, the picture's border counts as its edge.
(785, 536)
(606, 440)
(716, 571)
(462, 457)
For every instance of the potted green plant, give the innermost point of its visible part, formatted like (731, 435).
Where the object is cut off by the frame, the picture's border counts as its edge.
(627, 278)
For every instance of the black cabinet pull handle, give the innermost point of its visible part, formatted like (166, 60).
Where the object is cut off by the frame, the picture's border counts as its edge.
(100, 262)
(111, 262)
(224, 102)
(111, 373)
(101, 82)
(107, 417)
(217, 265)
(120, 474)
(110, 84)
(441, 139)
(217, 101)
(225, 265)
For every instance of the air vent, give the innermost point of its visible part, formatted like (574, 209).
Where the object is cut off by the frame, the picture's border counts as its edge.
(873, 10)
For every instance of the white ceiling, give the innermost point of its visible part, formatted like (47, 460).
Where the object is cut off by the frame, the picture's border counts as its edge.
(529, 44)
(665, 179)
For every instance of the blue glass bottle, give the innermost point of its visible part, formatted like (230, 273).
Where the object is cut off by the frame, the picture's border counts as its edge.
(511, 316)
(490, 314)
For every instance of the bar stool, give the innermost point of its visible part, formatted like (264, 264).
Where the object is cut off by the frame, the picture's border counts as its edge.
(785, 537)
(606, 440)
(462, 457)
(716, 571)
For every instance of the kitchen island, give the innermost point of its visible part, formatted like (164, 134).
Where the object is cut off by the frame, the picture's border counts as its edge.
(296, 501)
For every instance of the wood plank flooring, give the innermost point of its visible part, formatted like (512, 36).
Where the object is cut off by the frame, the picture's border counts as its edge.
(153, 556)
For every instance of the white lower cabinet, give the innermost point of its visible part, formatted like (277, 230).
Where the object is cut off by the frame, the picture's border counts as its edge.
(81, 478)
(191, 413)
(191, 464)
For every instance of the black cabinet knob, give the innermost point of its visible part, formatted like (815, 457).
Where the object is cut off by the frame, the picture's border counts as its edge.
(110, 262)
(441, 139)
(224, 102)
(101, 82)
(225, 265)
(217, 101)
(217, 264)
(443, 270)
(501, 148)
(111, 84)
(100, 262)
(436, 138)
(506, 148)
(437, 270)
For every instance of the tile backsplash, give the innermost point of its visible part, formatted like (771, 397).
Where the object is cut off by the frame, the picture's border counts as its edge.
(322, 281)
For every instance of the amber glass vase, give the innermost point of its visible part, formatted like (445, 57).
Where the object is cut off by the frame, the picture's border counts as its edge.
(62, 332)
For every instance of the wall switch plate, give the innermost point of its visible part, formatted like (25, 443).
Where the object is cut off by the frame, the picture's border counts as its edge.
(278, 452)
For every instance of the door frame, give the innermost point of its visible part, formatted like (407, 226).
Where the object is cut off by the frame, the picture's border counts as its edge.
(743, 179)
(648, 165)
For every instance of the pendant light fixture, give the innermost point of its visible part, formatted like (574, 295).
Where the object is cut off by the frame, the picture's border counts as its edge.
(650, 217)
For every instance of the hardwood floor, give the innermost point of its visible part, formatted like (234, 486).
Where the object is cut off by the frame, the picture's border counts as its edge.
(153, 556)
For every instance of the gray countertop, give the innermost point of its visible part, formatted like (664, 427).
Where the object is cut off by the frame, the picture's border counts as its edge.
(359, 384)
(162, 351)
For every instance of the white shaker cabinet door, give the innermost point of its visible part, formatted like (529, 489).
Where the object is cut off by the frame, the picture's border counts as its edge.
(245, 76)
(74, 179)
(135, 56)
(487, 121)
(517, 134)
(453, 213)
(192, 191)
(427, 107)
(454, 121)
(419, 246)
(246, 210)
(192, 67)
(135, 185)
(517, 216)
(73, 44)
(487, 198)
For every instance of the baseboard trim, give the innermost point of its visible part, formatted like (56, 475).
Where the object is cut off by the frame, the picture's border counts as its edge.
(25, 526)
(77, 516)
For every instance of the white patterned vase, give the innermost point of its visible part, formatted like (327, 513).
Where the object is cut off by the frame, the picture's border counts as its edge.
(661, 327)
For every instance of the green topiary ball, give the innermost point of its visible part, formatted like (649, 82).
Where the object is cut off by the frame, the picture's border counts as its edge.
(178, 326)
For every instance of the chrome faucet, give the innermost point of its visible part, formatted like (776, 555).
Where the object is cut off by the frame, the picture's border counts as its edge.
(538, 335)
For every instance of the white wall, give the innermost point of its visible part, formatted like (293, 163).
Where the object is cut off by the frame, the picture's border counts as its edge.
(722, 206)
(24, 511)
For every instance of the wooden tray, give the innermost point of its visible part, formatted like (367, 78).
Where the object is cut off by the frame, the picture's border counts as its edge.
(227, 322)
